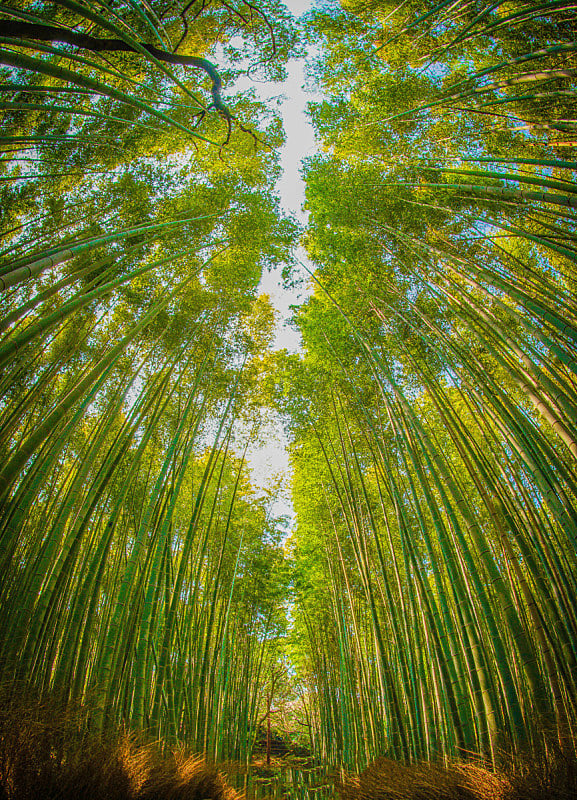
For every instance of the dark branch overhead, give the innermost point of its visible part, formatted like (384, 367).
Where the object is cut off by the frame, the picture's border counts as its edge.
(50, 33)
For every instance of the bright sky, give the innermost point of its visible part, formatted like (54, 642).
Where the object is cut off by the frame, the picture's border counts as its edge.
(299, 144)
(272, 459)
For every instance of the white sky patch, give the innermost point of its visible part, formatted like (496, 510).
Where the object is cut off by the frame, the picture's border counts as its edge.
(300, 142)
(271, 459)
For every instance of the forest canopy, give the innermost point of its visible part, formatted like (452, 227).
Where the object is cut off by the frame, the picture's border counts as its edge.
(422, 604)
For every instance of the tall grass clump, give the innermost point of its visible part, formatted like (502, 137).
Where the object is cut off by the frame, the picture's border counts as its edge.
(547, 774)
(48, 750)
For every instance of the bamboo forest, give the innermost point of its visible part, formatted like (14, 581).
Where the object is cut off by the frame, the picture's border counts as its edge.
(393, 613)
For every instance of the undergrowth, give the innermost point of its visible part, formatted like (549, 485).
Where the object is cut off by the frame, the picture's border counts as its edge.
(549, 774)
(47, 751)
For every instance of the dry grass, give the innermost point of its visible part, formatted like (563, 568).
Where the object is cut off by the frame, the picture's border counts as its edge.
(385, 779)
(548, 775)
(47, 752)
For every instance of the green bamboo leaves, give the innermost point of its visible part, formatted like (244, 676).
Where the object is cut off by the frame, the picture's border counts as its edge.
(440, 353)
(433, 410)
(131, 539)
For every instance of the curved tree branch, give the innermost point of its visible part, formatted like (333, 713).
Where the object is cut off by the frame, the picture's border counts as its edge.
(26, 30)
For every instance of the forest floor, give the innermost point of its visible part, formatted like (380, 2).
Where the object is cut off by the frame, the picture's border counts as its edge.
(551, 775)
(47, 754)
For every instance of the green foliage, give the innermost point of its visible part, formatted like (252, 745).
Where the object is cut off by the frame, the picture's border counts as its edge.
(140, 568)
(424, 604)
(434, 459)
